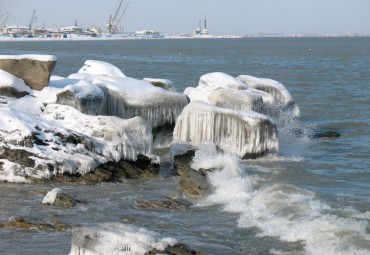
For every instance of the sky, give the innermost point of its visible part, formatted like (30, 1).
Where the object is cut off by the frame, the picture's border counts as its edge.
(182, 16)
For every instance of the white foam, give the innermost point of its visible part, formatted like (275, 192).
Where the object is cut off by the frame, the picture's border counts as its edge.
(283, 211)
(118, 239)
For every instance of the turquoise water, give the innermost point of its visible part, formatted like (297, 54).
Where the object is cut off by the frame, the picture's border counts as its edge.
(329, 79)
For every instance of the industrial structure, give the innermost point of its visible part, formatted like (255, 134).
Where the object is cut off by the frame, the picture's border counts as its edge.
(199, 31)
(114, 20)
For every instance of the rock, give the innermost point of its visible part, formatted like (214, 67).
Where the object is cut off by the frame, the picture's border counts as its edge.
(12, 92)
(168, 204)
(58, 198)
(12, 86)
(245, 134)
(193, 183)
(330, 134)
(178, 249)
(18, 222)
(35, 70)
(162, 83)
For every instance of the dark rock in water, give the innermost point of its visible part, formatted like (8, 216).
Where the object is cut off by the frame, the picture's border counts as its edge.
(61, 199)
(178, 249)
(168, 204)
(325, 134)
(35, 72)
(18, 222)
(193, 183)
(12, 92)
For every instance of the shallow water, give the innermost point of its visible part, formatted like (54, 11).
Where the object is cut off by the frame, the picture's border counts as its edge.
(299, 202)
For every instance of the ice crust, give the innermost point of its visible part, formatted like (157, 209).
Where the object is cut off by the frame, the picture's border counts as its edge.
(38, 57)
(9, 80)
(162, 83)
(51, 196)
(118, 239)
(95, 67)
(235, 132)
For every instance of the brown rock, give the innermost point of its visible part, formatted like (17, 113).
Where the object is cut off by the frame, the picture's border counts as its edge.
(168, 204)
(18, 222)
(35, 73)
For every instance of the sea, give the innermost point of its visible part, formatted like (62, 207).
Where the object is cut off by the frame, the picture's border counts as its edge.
(312, 197)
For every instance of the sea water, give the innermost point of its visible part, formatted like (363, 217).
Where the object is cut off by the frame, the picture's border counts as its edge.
(311, 198)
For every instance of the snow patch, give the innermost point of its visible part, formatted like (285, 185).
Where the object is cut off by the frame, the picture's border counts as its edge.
(37, 57)
(9, 80)
(95, 67)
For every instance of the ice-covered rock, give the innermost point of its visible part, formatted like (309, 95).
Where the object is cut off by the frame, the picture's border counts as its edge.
(273, 87)
(12, 86)
(59, 198)
(162, 83)
(84, 96)
(211, 82)
(35, 70)
(245, 134)
(240, 100)
(63, 140)
(95, 67)
(128, 97)
(116, 238)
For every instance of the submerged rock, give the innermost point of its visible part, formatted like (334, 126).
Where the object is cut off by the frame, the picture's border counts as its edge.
(18, 222)
(245, 134)
(322, 134)
(168, 204)
(35, 70)
(178, 249)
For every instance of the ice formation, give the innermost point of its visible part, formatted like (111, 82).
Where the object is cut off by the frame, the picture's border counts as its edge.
(116, 238)
(128, 97)
(63, 140)
(273, 87)
(240, 100)
(9, 80)
(244, 134)
(96, 67)
(162, 83)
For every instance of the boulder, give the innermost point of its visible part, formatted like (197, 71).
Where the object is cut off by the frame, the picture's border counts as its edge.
(35, 70)
(59, 198)
(12, 86)
(245, 134)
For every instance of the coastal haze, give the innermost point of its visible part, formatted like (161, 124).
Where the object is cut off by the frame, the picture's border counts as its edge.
(311, 198)
(242, 17)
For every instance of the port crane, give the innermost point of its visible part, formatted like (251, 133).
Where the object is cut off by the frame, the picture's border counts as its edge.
(114, 20)
(3, 18)
(31, 22)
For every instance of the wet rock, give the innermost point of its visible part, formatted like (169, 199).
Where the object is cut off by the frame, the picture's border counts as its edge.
(326, 134)
(18, 222)
(33, 69)
(193, 183)
(178, 249)
(168, 204)
(58, 198)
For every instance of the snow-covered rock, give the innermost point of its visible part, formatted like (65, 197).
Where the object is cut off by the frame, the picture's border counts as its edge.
(245, 134)
(162, 83)
(128, 97)
(274, 88)
(95, 67)
(35, 70)
(117, 238)
(12, 86)
(63, 140)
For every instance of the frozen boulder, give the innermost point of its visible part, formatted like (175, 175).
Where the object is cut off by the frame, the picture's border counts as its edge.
(275, 88)
(162, 83)
(128, 97)
(35, 70)
(12, 86)
(63, 140)
(211, 82)
(116, 238)
(95, 67)
(59, 198)
(84, 96)
(246, 134)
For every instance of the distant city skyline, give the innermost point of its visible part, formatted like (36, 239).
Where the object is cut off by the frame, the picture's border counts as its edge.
(223, 17)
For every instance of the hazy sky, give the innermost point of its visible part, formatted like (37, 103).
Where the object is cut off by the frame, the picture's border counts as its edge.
(182, 16)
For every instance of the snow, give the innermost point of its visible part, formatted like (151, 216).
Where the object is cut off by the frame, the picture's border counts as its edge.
(37, 57)
(235, 132)
(117, 238)
(96, 67)
(51, 196)
(9, 80)
(162, 83)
